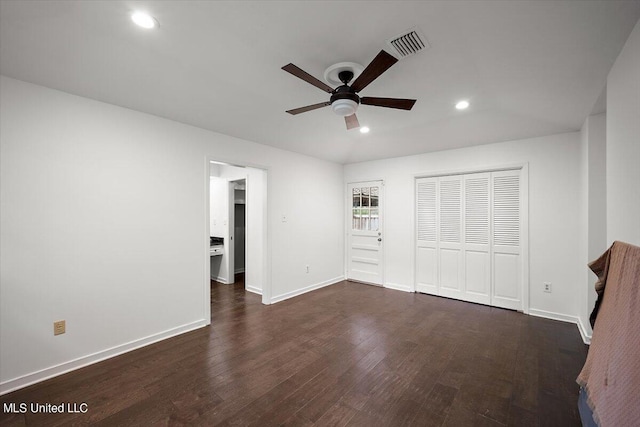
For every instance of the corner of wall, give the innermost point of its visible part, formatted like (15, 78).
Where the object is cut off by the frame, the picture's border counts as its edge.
(585, 331)
(287, 295)
(622, 149)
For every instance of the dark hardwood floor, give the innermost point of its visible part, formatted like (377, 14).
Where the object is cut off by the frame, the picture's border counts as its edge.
(349, 354)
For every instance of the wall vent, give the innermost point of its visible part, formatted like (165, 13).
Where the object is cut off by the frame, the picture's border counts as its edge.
(408, 43)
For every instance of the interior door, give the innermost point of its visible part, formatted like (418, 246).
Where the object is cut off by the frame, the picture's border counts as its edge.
(507, 230)
(365, 239)
(450, 267)
(477, 258)
(427, 235)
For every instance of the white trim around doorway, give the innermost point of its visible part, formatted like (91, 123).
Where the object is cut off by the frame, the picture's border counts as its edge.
(266, 243)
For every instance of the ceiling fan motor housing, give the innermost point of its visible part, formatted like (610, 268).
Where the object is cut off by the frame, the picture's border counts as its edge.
(344, 101)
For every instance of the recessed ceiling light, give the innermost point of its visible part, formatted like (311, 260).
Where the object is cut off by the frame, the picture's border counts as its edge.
(144, 20)
(462, 105)
(364, 129)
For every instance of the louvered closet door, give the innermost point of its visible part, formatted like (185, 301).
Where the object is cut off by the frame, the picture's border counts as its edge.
(468, 237)
(477, 260)
(426, 237)
(450, 260)
(506, 224)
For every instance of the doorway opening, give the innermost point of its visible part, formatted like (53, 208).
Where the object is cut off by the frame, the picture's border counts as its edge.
(236, 227)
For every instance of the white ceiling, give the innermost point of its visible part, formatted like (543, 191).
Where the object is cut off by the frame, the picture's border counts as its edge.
(529, 68)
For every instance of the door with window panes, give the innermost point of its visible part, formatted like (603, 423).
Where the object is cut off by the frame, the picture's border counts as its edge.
(365, 242)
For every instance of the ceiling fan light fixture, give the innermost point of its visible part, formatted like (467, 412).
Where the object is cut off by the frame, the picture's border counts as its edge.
(344, 99)
(344, 107)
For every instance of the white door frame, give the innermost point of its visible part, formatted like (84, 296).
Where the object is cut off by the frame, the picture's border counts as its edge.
(266, 242)
(347, 223)
(231, 255)
(524, 227)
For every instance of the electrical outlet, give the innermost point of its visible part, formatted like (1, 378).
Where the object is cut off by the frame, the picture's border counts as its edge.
(547, 287)
(59, 327)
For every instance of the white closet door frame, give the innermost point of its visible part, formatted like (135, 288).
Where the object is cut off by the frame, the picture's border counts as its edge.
(524, 217)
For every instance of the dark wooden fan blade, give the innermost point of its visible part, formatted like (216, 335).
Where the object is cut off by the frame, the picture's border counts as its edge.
(351, 121)
(401, 104)
(301, 74)
(381, 63)
(308, 108)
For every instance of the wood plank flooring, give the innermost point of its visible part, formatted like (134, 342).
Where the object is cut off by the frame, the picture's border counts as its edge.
(345, 355)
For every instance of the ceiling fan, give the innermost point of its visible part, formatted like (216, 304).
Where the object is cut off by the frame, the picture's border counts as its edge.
(344, 99)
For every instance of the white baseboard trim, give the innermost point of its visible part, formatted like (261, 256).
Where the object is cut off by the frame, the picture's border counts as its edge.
(553, 316)
(240, 270)
(563, 318)
(586, 336)
(62, 368)
(398, 287)
(304, 290)
(253, 290)
(220, 279)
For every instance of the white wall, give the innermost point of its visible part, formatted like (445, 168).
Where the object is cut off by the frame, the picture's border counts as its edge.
(593, 217)
(219, 211)
(597, 192)
(554, 207)
(103, 224)
(218, 220)
(583, 218)
(610, 155)
(256, 221)
(623, 144)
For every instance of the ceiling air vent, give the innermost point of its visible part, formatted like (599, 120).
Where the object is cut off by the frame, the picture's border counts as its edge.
(408, 43)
